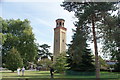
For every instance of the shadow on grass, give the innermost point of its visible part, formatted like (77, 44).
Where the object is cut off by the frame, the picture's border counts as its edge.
(41, 73)
(46, 76)
(8, 72)
(55, 79)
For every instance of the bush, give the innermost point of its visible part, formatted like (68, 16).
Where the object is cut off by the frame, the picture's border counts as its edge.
(45, 63)
(60, 63)
(13, 60)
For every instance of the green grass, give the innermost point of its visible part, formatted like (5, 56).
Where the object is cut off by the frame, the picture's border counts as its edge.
(46, 74)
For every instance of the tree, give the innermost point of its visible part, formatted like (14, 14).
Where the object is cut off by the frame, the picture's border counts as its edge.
(103, 64)
(77, 45)
(111, 38)
(19, 34)
(79, 55)
(60, 64)
(90, 13)
(45, 63)
(13, 60)
(44, 51)
(2, 38)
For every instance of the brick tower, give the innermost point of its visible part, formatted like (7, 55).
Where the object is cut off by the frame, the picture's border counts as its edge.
(59, 38)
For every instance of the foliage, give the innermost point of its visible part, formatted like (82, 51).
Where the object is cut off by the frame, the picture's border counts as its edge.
(87, 60)
(111, 38)
(90, 14)
(103, 64)
(60, 64)
(45, 63)
(44, 51)
(13, 60)
(82, 65)
(78, 55)
(18, 34)
(78, 44)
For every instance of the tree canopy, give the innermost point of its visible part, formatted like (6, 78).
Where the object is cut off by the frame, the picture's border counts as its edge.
(18, 34)
(44, 52)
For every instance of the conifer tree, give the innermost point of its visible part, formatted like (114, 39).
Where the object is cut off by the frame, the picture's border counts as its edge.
(80, 57)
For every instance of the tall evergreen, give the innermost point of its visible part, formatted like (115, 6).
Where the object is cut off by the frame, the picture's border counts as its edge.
(80, 57)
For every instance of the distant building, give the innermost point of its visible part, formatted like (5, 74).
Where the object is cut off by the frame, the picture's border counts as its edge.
(111, 62)
(59, 38)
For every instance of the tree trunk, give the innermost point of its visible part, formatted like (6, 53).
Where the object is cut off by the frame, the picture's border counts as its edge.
(13, 71)
(95, 48)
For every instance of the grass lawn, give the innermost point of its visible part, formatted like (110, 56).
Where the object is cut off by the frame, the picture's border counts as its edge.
(7, 75)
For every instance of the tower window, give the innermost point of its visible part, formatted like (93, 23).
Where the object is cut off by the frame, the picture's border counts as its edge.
(57, 24)
(63, 24)
(63, 40)
(60, 23)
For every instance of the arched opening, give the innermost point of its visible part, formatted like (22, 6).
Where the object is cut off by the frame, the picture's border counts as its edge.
(63, 24)
(57, 23)
(60, 23)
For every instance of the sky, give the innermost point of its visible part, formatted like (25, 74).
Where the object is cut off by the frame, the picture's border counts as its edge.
(42, 15)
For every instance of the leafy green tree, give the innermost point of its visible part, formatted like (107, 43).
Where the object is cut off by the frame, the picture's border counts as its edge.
(111, 38)
(90, 14)
(45, 63)
(19, 34)
(60, 64)
(44, 51)
(13, 60)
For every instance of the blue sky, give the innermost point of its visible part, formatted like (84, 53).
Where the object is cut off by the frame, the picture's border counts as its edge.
(42, 15)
